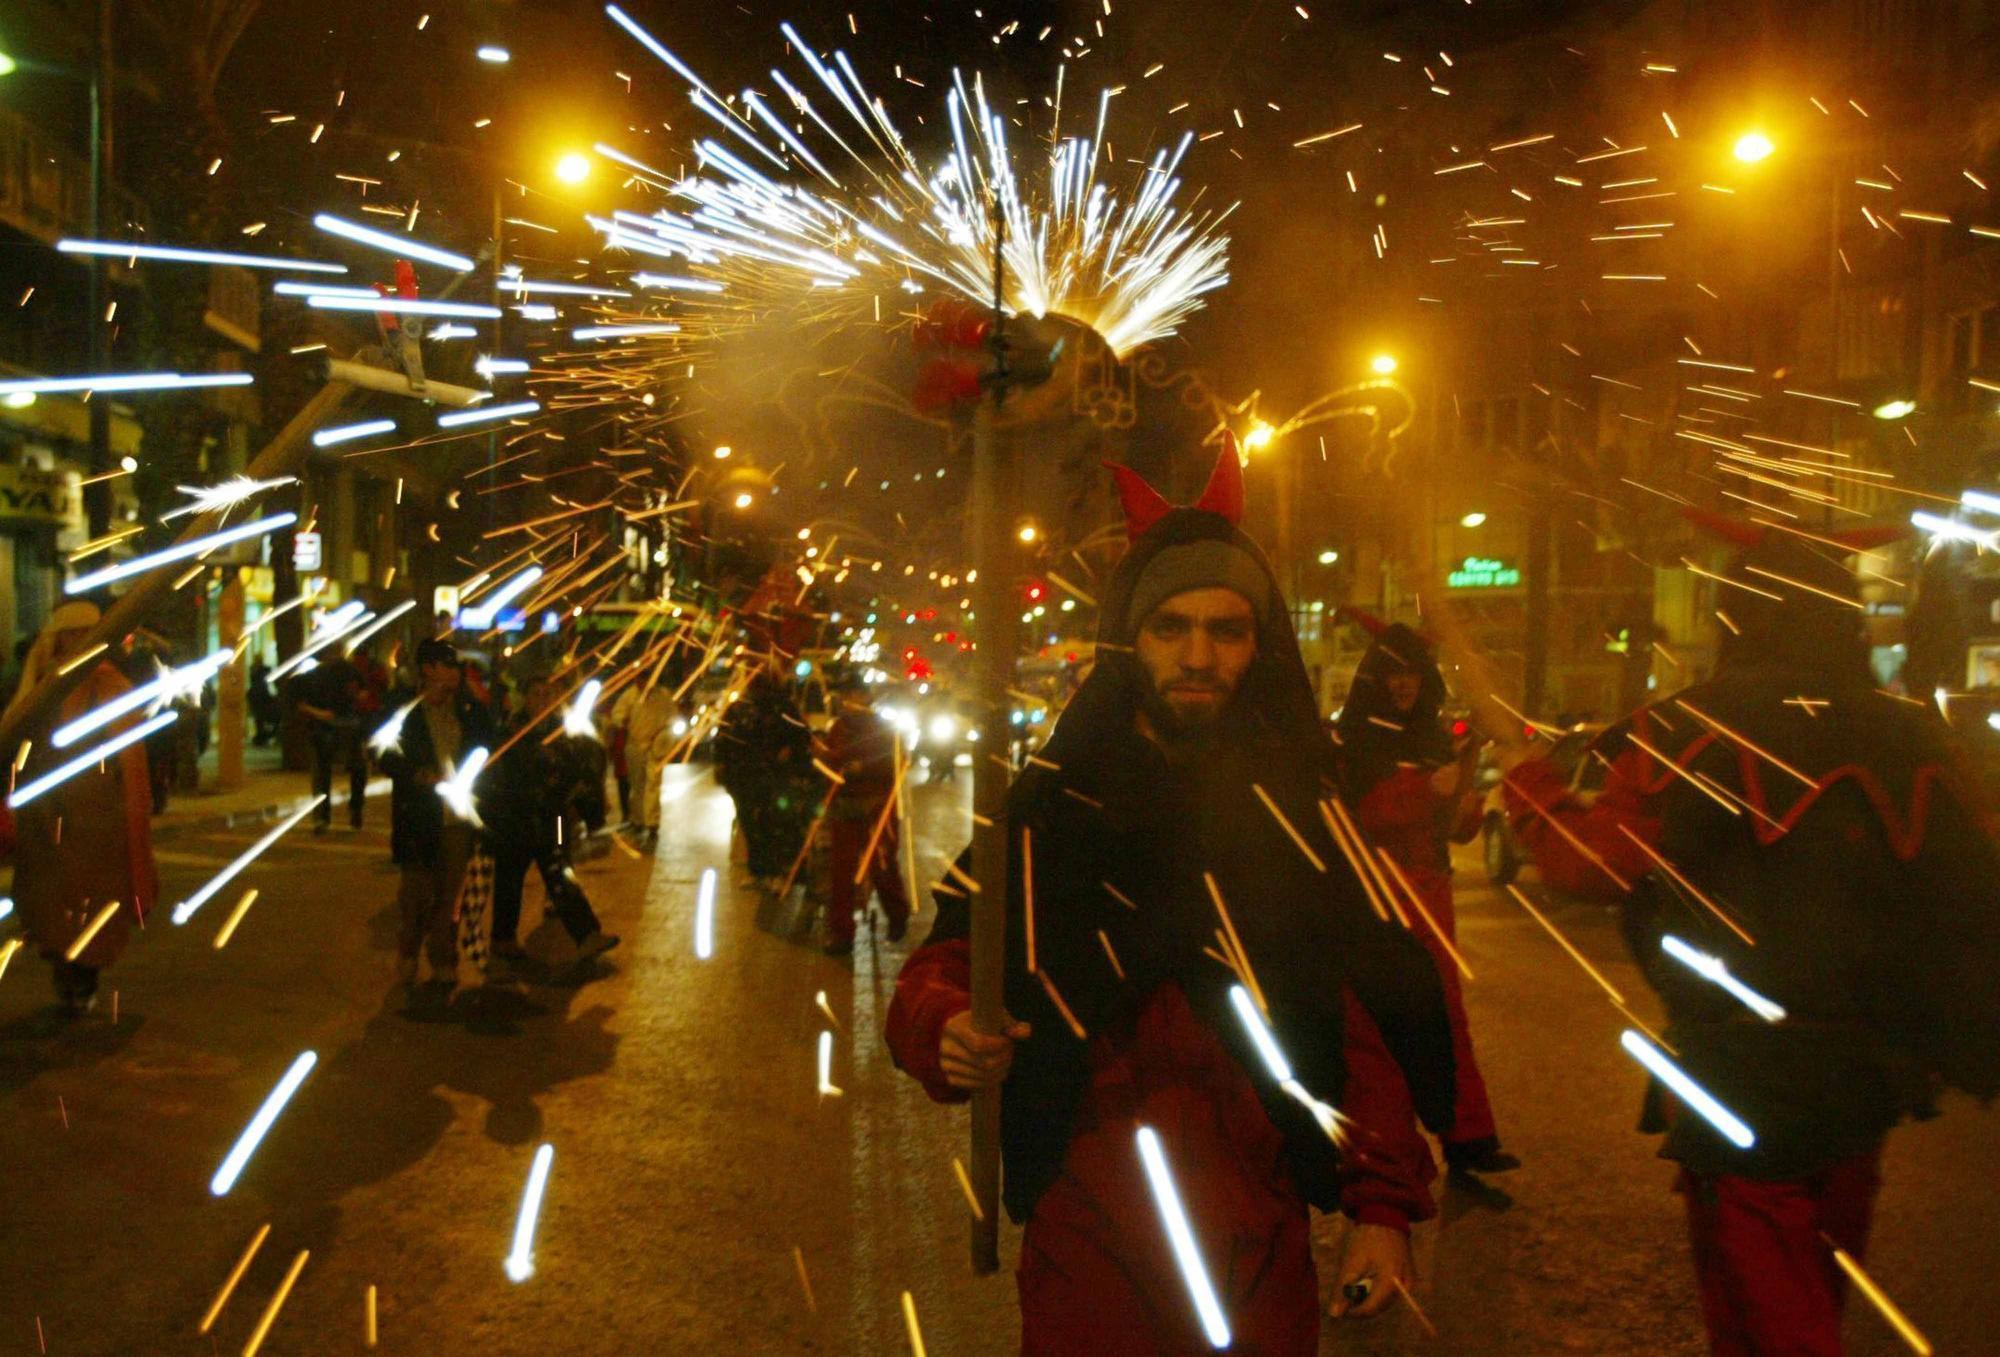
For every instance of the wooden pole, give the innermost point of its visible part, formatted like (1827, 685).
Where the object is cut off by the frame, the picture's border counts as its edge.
(994, 643)
(279, 457)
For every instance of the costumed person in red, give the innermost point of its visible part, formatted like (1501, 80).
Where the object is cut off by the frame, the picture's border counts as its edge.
(860, 746)
(1407, 786)
(86, 842)
(1833, 857)
(1145, 800)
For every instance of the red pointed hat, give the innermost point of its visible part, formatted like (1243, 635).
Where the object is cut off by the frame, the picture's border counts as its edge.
(1145, 506)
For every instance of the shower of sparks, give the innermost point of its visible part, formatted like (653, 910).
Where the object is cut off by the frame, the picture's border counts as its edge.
(1132, 267)
(224, 495)
(253, 1134)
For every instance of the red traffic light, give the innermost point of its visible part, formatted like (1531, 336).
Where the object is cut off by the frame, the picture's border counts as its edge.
(1035, 591)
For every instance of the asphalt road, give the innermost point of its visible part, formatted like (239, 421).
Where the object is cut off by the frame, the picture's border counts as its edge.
(694, 1155)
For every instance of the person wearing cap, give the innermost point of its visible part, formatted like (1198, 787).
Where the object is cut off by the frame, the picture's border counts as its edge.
(860, 746)
(86, 842)
(429, 842)
(1820, 839)
(1182, 781)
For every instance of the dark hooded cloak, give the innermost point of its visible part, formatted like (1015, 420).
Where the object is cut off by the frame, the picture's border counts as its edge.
(1120, 816)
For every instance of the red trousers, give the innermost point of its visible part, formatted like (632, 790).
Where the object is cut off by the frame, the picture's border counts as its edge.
(848, 840)
(1769, 1285)
(1472, 1117)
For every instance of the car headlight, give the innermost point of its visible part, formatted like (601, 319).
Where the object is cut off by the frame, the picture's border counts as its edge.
(943, 730)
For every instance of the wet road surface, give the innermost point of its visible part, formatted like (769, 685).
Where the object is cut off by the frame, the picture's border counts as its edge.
(694, 1154)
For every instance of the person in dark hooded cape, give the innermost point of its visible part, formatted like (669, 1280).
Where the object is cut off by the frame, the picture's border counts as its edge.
(1819, 838)
(1185, 776)
(1408, 788)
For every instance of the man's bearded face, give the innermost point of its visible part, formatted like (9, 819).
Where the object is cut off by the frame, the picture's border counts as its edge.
(1195, 649)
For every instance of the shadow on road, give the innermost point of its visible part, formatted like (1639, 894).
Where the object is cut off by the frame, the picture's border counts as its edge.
(48, 1041)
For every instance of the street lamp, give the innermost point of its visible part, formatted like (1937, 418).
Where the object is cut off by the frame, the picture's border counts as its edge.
(1260, 436)
(573, 168)
(1382, 364)
(1328, 557)
(1896, 408)
(1752, 147)
(7, 64)
(1472, 520)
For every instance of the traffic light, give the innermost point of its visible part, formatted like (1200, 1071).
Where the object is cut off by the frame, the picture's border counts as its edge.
(1035, 591)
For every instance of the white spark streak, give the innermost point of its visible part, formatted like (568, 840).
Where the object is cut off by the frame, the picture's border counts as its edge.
(223, 495)
(390, 733)
(123, 381)
(521, 1261)
(347, 433)
(409, 306)
(253, 1134)
(704, 916)
(90, 758)
(456, 789)
(577, 719)
(168, 687)
(120, 249)
(401, 246)
(1713, 968)
(185, 910)
(1687, 1090)
(198, 546)
(622, 331)
(355, 641)
(1167, 1197)
(484, 615)
(483, 416)
(500, 367)
(827, 1088)
(1281, 1068)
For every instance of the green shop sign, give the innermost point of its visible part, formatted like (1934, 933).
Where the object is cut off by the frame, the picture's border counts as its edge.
(1480, 573)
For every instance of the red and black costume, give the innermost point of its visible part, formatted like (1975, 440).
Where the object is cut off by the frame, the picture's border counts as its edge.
(1387, 760)
(1123, 829)
(861, 747)
(1791, 802)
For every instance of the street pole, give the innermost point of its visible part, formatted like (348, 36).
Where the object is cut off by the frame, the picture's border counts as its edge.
(97, 495)
(994, 642)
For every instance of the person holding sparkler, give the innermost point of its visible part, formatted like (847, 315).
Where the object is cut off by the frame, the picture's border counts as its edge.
(1808, 881)
(86, 842)
(430, 841)
(1166, 847)
(1407, 787)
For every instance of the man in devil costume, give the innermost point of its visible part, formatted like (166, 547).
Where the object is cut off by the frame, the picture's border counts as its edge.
(1142, 812)
(1818, 837)
(1408, 788)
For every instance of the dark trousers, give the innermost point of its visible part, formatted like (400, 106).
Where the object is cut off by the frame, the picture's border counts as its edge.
(884, 876)
(512, 856)
(330, 744)
(1769, 1284)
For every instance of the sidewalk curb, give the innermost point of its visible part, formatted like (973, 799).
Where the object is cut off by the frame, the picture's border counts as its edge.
(275, 810)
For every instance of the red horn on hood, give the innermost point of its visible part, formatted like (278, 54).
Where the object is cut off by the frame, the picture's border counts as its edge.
(1367, 621)
(1144, 506)
(1224, 494)
(1728, 529)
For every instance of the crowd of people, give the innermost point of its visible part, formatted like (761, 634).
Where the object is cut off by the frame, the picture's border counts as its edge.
(1210, 857)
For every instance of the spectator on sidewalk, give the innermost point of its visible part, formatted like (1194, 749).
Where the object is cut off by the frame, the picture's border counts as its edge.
(86, 842)
(649, 740)
(861, 748)
(264, 711)
(525, 799)
(329, 696)
(428, 841)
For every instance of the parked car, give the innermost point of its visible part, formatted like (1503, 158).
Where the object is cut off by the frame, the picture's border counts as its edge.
(1582, 769)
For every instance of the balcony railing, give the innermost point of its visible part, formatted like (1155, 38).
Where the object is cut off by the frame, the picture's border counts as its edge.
(45, 187)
